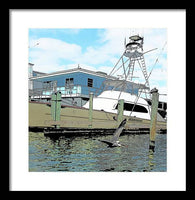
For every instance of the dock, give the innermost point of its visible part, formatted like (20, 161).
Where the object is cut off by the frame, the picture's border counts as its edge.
(54, 119)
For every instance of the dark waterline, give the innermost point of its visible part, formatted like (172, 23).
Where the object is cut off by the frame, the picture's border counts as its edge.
(88, 154)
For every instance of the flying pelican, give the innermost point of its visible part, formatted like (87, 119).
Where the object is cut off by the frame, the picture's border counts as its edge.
(114, 141)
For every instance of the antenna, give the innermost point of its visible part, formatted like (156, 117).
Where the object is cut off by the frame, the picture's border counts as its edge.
(157, 59)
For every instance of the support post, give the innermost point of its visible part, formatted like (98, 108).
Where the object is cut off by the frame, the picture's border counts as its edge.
(155, 97)
(90, 109)
(120, 111)
(56, 107)
(53, 106)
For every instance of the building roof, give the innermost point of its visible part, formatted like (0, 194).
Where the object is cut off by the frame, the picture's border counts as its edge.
(39, 72)
(68, 71)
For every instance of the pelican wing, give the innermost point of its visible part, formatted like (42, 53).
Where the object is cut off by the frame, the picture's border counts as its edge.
(118, 131)
(106, 141)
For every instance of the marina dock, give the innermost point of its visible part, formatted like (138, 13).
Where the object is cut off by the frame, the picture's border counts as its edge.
(82, 121)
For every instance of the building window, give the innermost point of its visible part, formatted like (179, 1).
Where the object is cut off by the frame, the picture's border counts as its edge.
(69, 81)
(90, 82)
(47, 84)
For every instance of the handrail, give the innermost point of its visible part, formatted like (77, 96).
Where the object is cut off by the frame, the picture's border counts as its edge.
(75, 89)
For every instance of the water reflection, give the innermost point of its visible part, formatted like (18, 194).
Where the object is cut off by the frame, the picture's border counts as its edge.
(151, 162)
(88, 154)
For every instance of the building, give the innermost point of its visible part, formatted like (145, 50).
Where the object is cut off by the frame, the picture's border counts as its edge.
(75, 85)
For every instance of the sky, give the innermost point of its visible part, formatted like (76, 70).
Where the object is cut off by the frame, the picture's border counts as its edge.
(53, 50)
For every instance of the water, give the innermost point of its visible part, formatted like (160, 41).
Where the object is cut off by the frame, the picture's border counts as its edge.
(88, 154)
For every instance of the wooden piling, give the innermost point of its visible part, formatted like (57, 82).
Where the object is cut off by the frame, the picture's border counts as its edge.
(120, 110)
(90, 109)
(154, 110)
(53, 106)
(56, 107)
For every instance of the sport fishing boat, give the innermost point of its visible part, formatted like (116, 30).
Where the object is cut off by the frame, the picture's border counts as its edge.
(134, 104)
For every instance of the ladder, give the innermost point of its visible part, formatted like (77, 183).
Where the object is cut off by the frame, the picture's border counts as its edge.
(144, 71)
(131, 68)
